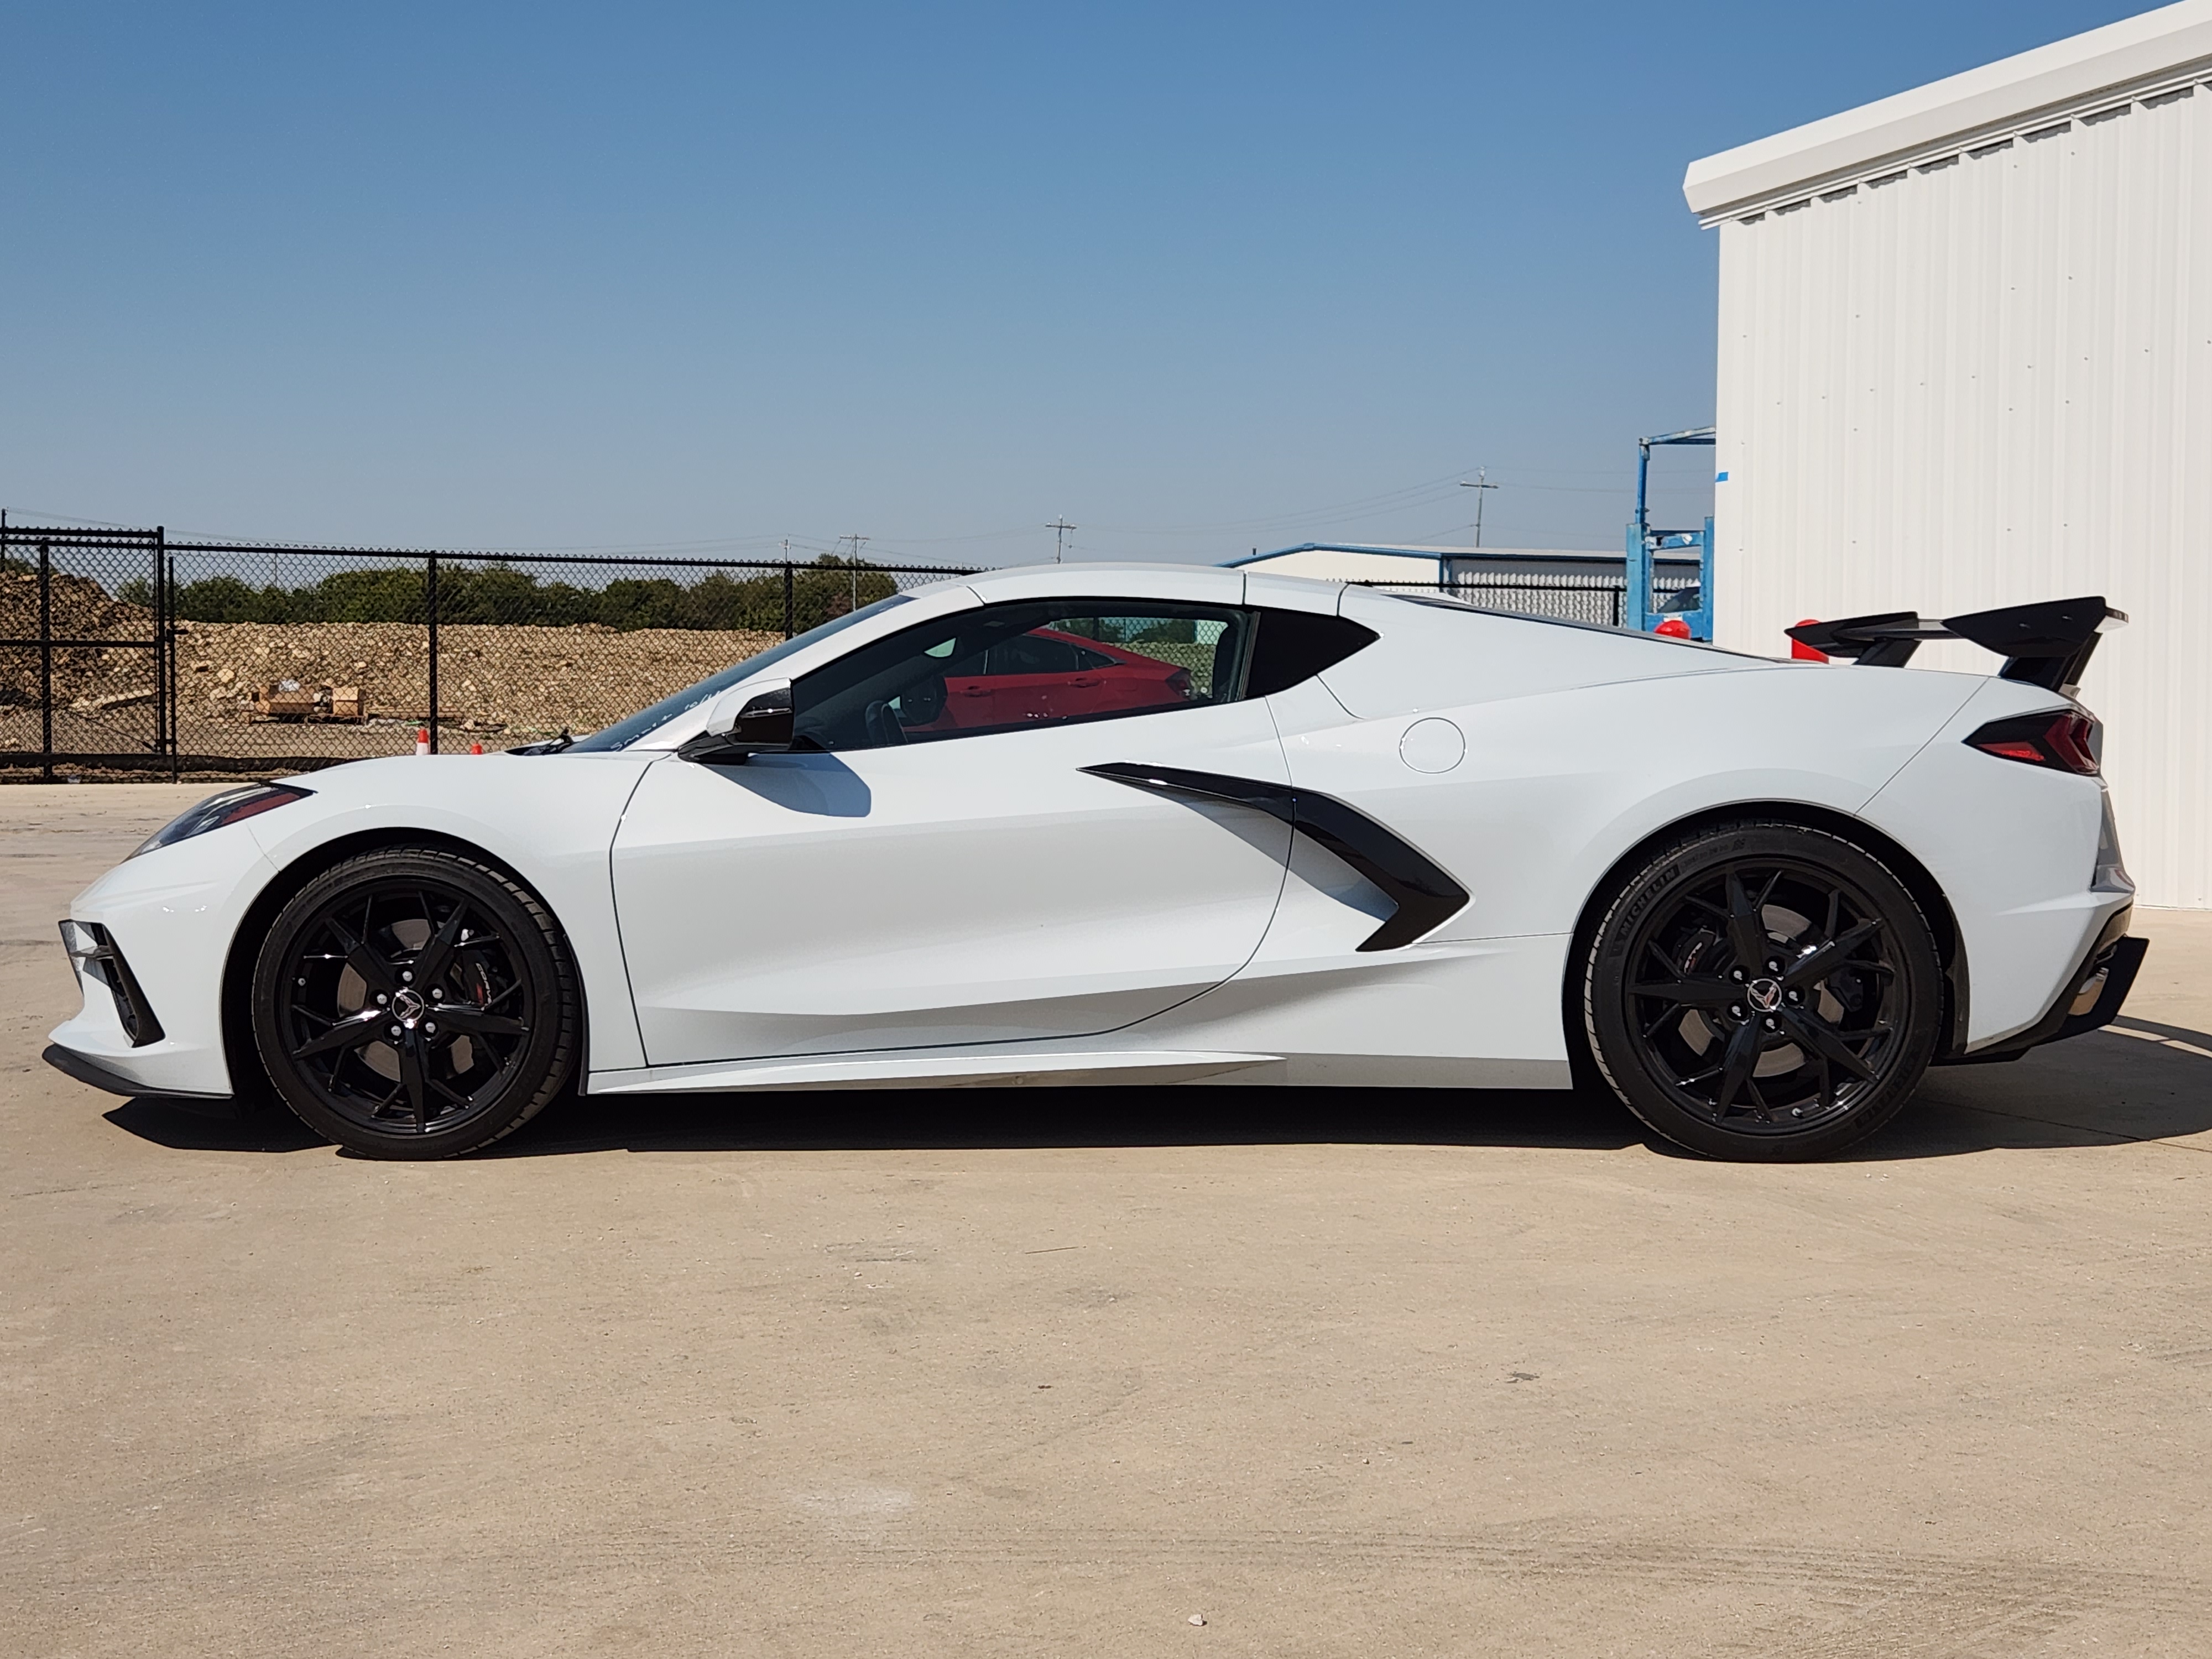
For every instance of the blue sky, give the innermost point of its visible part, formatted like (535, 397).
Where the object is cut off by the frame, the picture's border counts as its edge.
(1200, 277)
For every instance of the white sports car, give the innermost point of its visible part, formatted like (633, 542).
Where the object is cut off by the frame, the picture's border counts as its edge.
(1124, 824)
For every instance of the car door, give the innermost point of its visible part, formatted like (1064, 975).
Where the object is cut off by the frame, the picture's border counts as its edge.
(914, 879)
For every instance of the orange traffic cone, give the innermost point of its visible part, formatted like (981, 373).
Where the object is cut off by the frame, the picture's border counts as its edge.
(421, 739)
(476, 748)
(1801, 652)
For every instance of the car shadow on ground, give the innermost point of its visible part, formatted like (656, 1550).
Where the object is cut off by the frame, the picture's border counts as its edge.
(2105, 1088)
(940, 1118)
(882, 1120)
(2097, 1090)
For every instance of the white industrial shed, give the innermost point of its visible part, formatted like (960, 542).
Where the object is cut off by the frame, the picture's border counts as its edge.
(1966, 360)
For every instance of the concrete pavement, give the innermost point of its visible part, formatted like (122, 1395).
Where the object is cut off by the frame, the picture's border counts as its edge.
(1028, 1373)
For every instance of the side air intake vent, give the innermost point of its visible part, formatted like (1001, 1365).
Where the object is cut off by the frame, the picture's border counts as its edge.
(98, 961)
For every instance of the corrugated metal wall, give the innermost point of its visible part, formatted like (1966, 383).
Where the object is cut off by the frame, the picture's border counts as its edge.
(1984, 379)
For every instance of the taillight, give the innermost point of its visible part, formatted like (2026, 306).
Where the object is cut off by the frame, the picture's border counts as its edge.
(2064, 738)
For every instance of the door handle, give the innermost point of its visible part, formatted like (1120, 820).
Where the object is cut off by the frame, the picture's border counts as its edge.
(1093, 680)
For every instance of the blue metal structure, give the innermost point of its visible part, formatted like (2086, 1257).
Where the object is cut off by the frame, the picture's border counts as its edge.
(1644, 543)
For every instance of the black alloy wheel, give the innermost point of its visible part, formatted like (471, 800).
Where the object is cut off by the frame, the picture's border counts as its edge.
(412, 1003)
(1763, 991)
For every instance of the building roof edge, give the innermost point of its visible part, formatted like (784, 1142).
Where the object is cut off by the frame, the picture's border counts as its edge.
(2079, 70)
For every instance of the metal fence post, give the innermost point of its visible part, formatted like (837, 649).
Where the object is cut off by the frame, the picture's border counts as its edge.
(165, 654)
(790, 613)
(169, 579)
(430, 606)
(45, 664)
(1638, 608)
(154, 598)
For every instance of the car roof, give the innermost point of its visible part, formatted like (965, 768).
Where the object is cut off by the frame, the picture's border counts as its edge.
(1202, 584)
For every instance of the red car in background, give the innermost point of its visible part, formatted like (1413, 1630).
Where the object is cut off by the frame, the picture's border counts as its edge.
(1045, 674)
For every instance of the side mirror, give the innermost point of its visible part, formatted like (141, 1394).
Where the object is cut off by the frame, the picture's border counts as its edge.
(755, 720)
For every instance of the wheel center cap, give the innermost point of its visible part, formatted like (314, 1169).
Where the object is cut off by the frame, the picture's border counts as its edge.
(407, 1007)
(1764, 995)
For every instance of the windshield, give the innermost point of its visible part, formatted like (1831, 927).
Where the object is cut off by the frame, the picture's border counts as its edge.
(624, 733)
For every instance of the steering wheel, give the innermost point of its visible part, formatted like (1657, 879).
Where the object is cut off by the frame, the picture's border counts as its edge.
(883, 724)
(922, 702)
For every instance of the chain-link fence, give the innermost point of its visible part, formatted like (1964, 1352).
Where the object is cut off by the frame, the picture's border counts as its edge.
(84, 641)
(126, 653)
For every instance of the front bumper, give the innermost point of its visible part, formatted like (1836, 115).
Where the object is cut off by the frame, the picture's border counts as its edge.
(149, 941)
(86, 1069)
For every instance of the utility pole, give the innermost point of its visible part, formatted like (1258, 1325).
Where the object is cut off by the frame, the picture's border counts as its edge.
(1059, 527)
(1480, 483)
(858, 542)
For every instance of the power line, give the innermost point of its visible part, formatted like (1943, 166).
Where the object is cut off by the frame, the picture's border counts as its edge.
(1059, 527)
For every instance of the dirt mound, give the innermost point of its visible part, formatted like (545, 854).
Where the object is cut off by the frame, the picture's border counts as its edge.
(81, 609)
(523, 680)
(527, 681)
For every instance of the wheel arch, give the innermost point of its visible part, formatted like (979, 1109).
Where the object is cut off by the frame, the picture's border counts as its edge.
(1927, 892)
(240, 1056)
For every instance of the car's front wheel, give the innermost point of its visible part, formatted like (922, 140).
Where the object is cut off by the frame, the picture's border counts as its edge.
(1763, 991)
(413, 1003)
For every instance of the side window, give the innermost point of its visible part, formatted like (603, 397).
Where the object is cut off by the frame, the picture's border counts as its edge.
(1009, 667)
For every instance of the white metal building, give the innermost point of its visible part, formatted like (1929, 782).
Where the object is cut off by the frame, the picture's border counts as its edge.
(1966, 360)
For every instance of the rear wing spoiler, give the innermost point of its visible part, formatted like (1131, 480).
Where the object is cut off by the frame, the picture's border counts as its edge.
(2047, 644)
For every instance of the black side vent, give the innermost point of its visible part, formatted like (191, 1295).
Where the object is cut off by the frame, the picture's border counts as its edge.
(1422, 890)
(96, 958)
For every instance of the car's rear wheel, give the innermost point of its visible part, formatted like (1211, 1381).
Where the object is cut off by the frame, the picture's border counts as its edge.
(1763, 991)
(413, 1003)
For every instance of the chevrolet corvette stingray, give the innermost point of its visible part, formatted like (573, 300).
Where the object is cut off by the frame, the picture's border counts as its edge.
(1103, 824)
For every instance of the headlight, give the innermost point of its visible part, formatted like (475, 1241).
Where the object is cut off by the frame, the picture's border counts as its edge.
(231, 807)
